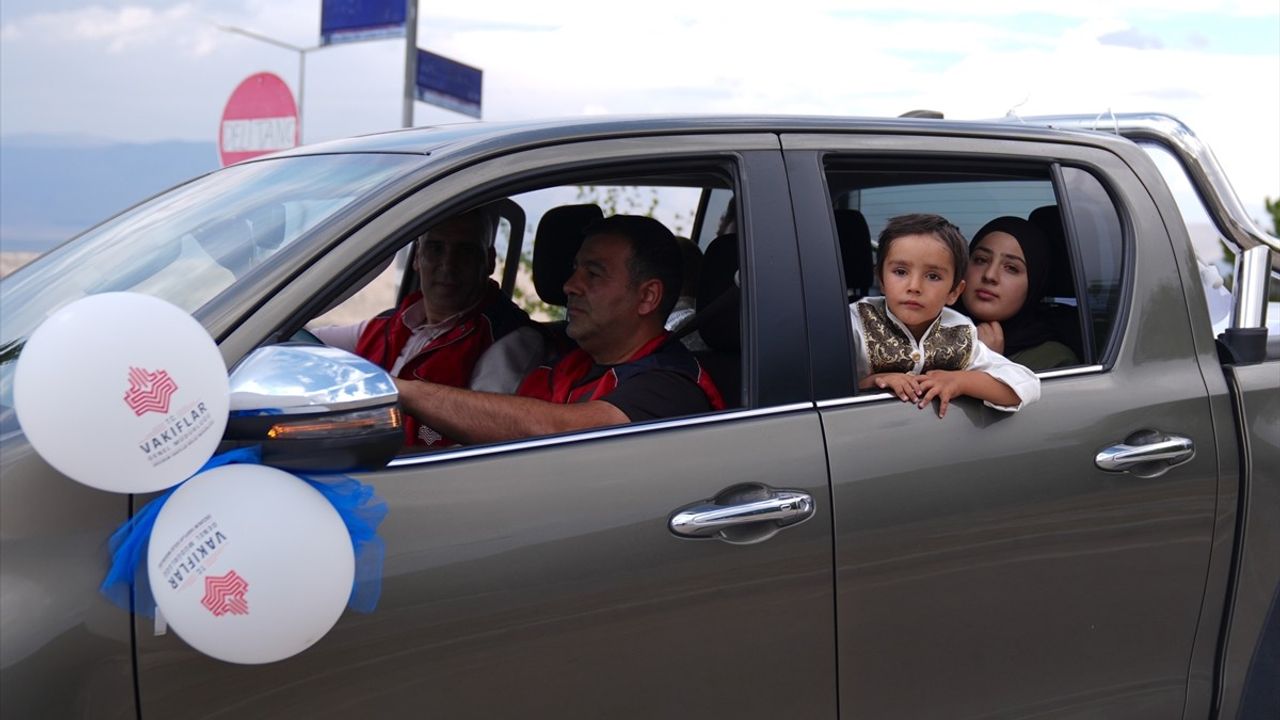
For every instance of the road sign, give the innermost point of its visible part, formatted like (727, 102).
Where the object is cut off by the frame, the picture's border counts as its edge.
(260, 118)
(354, 20)
(449, 84)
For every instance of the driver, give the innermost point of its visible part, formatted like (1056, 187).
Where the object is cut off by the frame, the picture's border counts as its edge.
(457, 329)
(625, 281)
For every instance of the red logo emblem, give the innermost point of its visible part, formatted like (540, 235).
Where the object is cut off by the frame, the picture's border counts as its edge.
(225, 594)
(149, 391)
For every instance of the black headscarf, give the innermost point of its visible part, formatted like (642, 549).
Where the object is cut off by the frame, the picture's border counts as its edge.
(1028, 327)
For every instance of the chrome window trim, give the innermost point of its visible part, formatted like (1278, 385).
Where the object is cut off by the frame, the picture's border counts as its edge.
(616, 431)
(1046, 375)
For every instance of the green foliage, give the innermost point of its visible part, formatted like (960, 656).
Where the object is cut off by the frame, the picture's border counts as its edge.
(1273, 207)
(632, 200)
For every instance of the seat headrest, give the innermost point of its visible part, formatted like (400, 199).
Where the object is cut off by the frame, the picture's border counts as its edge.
(855, 252)
(555, 245)
(1049, 220)
(719, 327)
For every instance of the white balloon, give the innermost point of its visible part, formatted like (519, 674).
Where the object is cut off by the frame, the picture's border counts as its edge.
(122, 392)
(249, 564)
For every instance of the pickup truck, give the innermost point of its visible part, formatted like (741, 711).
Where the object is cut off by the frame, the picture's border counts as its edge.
(1110, 551)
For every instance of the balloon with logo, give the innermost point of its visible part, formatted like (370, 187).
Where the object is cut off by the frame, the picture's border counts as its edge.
(249, 564)
(122, 392)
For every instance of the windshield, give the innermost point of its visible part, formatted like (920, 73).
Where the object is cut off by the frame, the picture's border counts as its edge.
(193, 242)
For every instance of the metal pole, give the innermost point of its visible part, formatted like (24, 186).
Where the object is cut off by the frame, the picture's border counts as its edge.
(302, 83)
(410, 62)
(302, 61)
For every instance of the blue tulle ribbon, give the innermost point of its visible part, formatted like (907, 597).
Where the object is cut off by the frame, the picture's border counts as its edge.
(360, 508)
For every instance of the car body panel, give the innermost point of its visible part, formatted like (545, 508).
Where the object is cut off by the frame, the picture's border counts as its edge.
(1248, 667)
(58, 631)
(984, 566)
(540, 576)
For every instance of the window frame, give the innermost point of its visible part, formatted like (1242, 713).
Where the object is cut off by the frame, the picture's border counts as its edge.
(755, 168)
(806, 155)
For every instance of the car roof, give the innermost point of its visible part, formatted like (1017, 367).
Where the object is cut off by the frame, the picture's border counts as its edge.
(480, 137)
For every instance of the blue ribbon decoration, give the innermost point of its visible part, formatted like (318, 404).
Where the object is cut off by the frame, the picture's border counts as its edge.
(126, 584)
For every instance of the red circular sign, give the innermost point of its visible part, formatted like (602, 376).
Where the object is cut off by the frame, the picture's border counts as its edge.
(260, 117)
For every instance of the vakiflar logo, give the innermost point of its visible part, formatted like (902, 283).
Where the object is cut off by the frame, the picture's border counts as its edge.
(149, 391)
(225, 594)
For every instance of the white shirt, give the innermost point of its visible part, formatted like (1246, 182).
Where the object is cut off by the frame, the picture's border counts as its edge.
(499, 369)
(983, 359)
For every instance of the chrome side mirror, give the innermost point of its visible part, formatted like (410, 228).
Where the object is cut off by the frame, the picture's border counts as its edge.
(314, 408)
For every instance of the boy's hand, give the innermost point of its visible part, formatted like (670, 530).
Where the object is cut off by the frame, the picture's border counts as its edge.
(992, 335)
(944, 385)
(906, 387)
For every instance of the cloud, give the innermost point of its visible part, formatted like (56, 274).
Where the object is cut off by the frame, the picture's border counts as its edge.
(1132, 38)
(146, 72)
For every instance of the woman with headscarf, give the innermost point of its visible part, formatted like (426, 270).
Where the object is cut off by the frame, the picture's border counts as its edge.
(1008, 271)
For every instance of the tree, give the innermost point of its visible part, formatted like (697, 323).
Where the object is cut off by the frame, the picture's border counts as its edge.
(1273, 207)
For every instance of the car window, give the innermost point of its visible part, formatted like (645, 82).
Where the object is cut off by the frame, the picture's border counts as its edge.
(555, 217)
(1080, 296)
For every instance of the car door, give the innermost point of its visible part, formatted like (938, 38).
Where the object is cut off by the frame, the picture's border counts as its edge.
(540, 578)
(986, 566)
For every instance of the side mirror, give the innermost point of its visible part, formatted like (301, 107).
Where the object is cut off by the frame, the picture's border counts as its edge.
(314, 408)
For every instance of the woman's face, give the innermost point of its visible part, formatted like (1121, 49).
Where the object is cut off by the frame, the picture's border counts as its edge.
(996, 281)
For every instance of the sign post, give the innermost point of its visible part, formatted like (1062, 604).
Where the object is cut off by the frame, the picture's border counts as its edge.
(260, 117)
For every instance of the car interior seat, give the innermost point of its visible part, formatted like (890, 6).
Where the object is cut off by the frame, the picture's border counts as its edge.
(1060, 291)
(855, 253)
(556, 243)
(718, 306)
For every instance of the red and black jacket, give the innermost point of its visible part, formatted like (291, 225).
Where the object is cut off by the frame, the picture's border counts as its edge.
(564, 381)
(450, 358)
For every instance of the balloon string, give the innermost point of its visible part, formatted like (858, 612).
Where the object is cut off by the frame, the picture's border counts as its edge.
(126, 584)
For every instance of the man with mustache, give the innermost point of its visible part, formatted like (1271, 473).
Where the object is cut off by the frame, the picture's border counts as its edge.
(625, 281)
(458, 329)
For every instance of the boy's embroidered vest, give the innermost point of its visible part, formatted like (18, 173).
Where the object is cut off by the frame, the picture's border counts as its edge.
(562, 382)
(890, 348)
(449, 359)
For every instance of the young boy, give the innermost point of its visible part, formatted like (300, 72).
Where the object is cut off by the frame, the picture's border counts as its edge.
(911, 344)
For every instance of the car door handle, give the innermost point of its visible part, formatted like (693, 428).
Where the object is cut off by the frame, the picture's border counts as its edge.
(780, 508)
(1148, 450)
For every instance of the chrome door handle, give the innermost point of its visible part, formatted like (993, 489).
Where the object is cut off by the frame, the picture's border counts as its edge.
(1164, 451)
(781, 507)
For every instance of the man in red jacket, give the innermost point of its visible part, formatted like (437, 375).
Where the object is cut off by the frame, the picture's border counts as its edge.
(458, 329)
(626, 279)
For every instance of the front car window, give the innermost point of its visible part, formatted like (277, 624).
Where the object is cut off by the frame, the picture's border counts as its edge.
(191, 243)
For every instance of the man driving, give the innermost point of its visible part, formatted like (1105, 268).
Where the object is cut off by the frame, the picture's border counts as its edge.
(625, 281)
(457, 329)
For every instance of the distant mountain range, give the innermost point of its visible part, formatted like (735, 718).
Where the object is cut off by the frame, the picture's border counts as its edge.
(55, 186)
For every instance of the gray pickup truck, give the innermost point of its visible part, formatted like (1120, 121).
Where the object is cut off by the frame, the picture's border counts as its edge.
(1110, 551)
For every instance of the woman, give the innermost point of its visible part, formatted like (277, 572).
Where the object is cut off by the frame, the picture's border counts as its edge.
(1008, 271)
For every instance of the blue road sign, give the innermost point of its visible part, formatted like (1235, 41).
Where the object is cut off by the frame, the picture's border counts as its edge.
(449, 84)
(354, 20)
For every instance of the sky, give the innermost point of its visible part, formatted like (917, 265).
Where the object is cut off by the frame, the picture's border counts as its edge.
(146, 70)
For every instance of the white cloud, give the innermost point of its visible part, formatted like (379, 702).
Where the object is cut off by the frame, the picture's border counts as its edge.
(141, 73)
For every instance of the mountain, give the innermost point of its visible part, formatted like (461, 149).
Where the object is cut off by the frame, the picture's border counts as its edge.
(55, 186)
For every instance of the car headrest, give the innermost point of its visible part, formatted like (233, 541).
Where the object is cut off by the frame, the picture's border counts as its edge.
(855, 252)
(555, 245)
(719, 296)
(1049, 220)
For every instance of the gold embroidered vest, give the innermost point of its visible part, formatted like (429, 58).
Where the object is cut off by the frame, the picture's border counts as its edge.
(890, 348)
